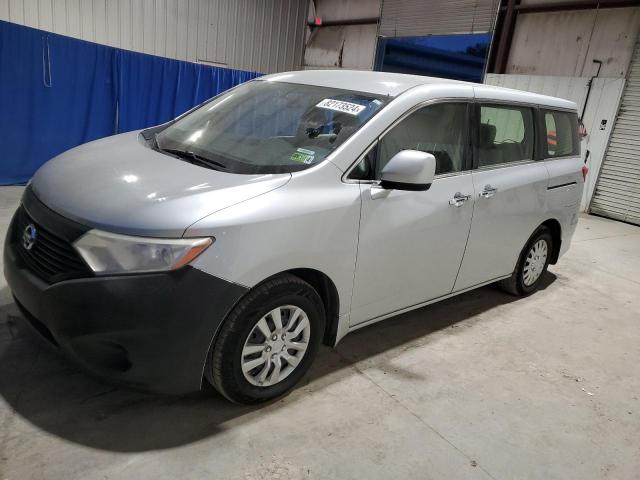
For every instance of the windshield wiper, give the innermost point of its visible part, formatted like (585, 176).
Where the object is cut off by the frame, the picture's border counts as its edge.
(193, 157)
(151, 138)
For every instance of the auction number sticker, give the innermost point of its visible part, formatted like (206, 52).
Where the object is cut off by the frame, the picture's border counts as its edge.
(340, 106)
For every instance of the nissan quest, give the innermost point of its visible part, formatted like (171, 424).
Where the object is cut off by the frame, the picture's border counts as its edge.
(228, 244)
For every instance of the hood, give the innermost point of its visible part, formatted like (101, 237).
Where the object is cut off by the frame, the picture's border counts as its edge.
(121, 185)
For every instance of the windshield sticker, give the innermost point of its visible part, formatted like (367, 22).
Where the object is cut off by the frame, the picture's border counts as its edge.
(303, 155)
(340, 106)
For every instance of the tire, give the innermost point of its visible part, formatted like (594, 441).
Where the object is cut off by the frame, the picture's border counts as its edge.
(522, 283)
(281, 297)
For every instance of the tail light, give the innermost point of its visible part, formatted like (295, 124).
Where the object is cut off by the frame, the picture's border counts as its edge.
(585, 170)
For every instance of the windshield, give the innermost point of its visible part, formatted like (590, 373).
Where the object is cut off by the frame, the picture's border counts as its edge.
(268, 127)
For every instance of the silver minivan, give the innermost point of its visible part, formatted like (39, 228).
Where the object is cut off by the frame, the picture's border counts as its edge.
(228, 244)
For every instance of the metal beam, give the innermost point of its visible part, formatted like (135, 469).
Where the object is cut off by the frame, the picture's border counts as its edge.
(341, 23)
(575, 5)
(506, 35)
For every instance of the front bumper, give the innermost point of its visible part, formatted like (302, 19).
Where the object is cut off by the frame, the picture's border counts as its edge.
(151, 331)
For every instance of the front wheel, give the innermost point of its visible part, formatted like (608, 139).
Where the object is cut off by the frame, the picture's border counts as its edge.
(268, 341)
(532, 264)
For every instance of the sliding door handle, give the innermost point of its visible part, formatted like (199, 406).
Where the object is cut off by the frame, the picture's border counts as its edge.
(459, 199)
(488, 191)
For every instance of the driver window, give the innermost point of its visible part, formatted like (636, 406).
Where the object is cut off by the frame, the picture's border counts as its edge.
(439, 129)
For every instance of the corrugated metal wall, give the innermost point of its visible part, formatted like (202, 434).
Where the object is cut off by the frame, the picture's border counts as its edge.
(258, 35)
(618, 189)
(566, 43)
(403, 18)
(602, 105)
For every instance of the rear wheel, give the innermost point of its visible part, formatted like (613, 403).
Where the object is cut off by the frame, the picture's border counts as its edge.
(532, 264)
(268, 341)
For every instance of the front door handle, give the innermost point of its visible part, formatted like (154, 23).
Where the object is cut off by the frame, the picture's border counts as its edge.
(488, 191)
(459, 199)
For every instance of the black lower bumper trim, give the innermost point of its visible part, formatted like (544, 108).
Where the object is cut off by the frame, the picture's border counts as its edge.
(151, 331)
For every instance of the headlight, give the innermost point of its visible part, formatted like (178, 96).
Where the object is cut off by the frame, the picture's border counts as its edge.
(108, 253)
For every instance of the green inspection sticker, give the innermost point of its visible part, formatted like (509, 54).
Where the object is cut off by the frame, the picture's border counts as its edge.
(303, 155)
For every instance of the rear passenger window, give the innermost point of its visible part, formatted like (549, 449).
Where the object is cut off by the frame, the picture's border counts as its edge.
(561, 134)
(506, 134)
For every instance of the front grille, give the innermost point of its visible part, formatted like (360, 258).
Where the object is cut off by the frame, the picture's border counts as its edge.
(51, 258)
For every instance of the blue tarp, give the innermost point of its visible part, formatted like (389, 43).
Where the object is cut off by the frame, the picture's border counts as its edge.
(57, 92)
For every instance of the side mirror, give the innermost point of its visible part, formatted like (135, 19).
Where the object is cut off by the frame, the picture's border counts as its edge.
(409, 170)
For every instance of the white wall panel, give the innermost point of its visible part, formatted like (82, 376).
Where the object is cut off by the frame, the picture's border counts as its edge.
(45, 14)
(85, 10)
(602, 105)
(73, 18)
(14, 6)
(99, 21)
(30, 9)
(59, 14)
(258, 35)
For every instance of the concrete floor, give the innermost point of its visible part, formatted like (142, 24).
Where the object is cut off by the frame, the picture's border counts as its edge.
(480, 386)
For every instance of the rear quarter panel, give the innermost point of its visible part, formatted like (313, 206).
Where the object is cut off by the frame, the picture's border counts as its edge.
(564, 193)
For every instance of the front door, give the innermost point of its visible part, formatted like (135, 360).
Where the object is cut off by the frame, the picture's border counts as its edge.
(510, 194)
(411, 243)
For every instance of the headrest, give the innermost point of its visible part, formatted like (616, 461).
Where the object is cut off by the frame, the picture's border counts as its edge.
(487, 134)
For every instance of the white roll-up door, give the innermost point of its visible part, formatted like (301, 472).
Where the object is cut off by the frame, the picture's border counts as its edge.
(402, 18)
(617, 193)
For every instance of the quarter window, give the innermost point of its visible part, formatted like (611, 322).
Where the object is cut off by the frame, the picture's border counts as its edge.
(561, 134)
(364, 170)
(506, 135)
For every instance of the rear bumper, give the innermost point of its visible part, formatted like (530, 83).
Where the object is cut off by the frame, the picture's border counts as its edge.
(151, 331)
(567, 233)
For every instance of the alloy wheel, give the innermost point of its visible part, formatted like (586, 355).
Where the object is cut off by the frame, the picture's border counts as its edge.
(275, 346)
(535, 262)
